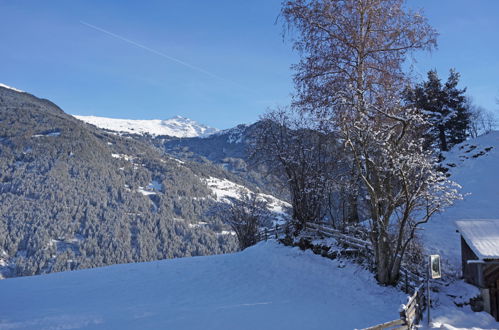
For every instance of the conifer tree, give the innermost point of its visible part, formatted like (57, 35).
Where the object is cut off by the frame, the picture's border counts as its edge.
(445, 108)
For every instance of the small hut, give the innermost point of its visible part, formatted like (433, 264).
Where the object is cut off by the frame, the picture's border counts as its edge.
(480, 259)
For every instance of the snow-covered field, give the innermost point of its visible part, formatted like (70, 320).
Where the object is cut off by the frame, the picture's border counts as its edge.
(268, 286)
(176, 126)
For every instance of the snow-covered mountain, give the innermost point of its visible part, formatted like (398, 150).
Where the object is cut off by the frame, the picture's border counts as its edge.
(177, 126)
(148, 196)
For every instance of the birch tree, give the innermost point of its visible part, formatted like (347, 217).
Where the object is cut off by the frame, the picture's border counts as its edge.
(350, 73)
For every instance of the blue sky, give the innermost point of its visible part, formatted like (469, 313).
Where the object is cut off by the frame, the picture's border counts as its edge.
(220, 62)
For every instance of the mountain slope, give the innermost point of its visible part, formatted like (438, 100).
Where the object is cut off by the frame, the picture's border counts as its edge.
(176, 126)
(268, 286)
(474, 165)
(230, 149)
(73, 196)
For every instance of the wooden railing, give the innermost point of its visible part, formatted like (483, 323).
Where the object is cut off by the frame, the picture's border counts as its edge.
(274, 232)
(399, 323)
(412, 311)
(410, 314)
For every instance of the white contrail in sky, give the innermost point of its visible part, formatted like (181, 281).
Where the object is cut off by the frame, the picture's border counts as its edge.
(176, 60)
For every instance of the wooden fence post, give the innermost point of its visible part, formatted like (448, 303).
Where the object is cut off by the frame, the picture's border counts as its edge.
(406, 281)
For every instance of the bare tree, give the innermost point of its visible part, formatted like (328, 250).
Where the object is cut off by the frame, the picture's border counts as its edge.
(298, 149)
(481, 120)
(351, 73)
(245, 214)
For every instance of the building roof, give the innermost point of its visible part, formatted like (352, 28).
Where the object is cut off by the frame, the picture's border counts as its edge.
(482, 236)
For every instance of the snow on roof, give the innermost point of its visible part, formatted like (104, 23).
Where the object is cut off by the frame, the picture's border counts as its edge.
(482, 236)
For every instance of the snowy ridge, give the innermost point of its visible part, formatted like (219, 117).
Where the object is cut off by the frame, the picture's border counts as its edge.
(235, 134)
(177, 126)
(11, 88)
(225, 189)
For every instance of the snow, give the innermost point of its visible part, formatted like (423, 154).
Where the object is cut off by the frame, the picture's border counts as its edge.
(228, 232)
(176, 126)
(146, 192)
(11, 88)
(235, 134)
(446, 315)
(155, 185)
(482, 237)
(474, 166)
(122, 156)
(53, 133)
(197, 225)
(268, 286)
(152, 188)
(225, 189)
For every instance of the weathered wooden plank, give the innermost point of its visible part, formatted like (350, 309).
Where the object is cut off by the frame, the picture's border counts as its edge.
(404, 327)
(410, 315)
(326, 230)
(347, 240)
(412, 305)
(386, 325)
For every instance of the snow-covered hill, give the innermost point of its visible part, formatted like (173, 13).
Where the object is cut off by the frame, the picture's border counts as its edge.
(225, 189)
(177, 126)
(474, 165)
(268, 286)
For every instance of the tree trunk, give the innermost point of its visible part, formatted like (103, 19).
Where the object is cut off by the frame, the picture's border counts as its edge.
(384, 269)
(353, 212)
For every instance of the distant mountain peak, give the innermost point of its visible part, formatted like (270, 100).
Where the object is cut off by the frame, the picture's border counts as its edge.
(177, 126)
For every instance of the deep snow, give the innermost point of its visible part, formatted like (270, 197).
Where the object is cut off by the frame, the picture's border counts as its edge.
(268, 286)
(476, 168)
(474, 165)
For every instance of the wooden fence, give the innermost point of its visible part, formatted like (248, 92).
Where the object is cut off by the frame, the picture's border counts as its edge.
(273, 232)
(412, 312)
(410, 315)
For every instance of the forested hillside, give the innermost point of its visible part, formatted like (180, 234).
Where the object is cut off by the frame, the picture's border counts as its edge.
(233, 150)
(73, 196)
